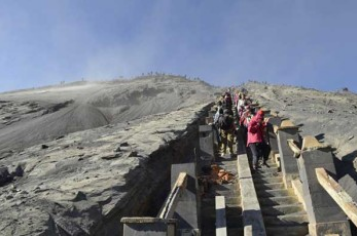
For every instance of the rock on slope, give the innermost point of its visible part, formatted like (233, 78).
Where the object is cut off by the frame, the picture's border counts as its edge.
(81, 156)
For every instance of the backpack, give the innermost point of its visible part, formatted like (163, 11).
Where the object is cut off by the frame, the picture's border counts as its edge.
(225, 122)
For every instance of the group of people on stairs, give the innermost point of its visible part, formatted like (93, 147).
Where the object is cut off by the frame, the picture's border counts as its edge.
(239, 114)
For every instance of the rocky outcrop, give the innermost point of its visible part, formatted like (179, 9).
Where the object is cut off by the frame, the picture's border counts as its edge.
(4, 175)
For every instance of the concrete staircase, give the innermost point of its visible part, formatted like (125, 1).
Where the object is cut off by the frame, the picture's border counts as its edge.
(233, 208)
(282, 212)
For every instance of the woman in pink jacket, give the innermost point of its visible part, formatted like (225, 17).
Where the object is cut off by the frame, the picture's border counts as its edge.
(255, 141)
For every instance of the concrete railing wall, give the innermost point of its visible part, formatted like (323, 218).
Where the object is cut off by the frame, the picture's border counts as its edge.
(289, 166)
(186, 218)
(324, 215)
(253, 222)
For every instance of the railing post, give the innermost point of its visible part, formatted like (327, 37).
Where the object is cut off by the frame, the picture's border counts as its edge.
(221, 225)
(272, 136)
(187, 209)
(325, 216)
(341, 197)
(171, 202)
(289, 166)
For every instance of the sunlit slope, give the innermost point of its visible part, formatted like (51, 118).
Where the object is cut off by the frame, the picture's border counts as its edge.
(29, 117)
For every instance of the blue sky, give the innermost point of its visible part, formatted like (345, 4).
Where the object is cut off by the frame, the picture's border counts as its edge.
(297, 42)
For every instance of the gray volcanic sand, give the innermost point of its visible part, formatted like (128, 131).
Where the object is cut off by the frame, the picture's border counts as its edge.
(84, 149)
(84, 152)
(30, 116)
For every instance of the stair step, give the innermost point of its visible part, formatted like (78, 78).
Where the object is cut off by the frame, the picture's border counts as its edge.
(225, 162)
(275, 193)
(269, 161)
(233, 201)
(267, 179)
(209, 227)
(208, 232)
(269, 186)
(234, 221)
(271, 168)
(262, 174)
(234, 232)
(234, 187)
(209, 221)
(210, 204)
(228, 193)
(226, 159)
(282, 209)
(292, 230)
(283, 220)
(272, 201)
(232, 212)
(259, 174)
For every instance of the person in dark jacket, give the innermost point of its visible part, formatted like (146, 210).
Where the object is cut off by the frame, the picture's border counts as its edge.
(227, 101)
(227, 132)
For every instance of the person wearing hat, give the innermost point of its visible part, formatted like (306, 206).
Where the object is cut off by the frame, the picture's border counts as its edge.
(255, 140)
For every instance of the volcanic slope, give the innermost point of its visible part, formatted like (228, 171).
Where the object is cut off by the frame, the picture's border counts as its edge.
(76, 158)
(31, 116)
